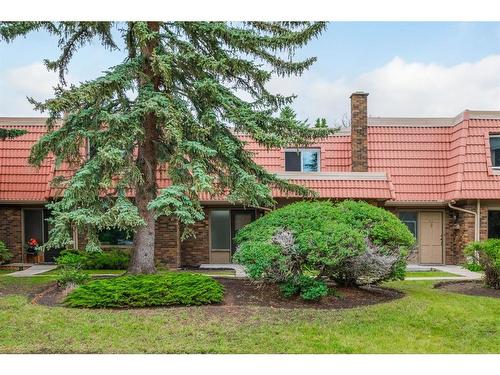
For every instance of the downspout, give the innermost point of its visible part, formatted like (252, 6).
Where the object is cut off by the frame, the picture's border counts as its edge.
(478, 221)
(476, 216)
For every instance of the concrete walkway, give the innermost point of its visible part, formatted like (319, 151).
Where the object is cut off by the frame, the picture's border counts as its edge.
(462, 273)
(239, 271)
(33, 270)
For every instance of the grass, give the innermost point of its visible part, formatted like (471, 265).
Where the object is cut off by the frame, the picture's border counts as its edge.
(211, 272)
(119, 272)
(430, 274)
(427, 320)
(23, 285)
(90, 272)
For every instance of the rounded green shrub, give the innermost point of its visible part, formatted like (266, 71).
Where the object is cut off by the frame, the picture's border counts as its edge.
(167, 289)
(349, 242)
(486, 254)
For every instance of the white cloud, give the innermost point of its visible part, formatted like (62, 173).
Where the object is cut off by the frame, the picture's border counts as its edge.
(18, 83)
(400, 88)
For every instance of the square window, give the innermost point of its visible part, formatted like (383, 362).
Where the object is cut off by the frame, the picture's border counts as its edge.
(302, 160)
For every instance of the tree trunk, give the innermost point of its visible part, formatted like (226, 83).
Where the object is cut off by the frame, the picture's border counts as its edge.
(142, 260)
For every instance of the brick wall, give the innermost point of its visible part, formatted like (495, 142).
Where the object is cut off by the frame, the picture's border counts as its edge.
(359, 132)
(167, 242)
(483, 233)
(196, 250)
(460, 230)
(11, 231)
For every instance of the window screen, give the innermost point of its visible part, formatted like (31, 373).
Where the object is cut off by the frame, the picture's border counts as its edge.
(495, 151)
(494, 224)
(220, 230)
(410, 219)
(310, 161)
(292, 161)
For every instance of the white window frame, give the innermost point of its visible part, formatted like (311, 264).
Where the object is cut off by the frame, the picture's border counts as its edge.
(497, 168)
(318, 150)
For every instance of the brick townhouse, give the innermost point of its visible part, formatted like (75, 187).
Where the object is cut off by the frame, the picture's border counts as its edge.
(441, 176)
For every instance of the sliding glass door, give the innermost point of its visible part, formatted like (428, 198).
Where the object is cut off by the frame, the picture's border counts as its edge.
(224, 225)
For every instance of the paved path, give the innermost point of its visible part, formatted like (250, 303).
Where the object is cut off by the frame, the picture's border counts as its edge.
(33, 270)
(239, 271)
(463, 273)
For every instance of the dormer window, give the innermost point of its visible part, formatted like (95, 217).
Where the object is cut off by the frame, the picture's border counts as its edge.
(302, 160)
(495, 151)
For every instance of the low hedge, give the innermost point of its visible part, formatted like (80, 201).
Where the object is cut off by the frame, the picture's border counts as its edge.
(168, 289)
(103, 260)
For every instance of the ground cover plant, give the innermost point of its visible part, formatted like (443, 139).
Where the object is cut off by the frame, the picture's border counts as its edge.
(302, 244)
(166, 289)
(487, 255)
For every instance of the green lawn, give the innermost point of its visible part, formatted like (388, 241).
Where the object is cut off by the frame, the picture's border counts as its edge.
(425, 321)
(430, 274)
(90, 272)
(212, 272)
(119, 272)
(23, 285)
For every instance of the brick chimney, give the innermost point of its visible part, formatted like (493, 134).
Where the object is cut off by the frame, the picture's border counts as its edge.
(359, 131)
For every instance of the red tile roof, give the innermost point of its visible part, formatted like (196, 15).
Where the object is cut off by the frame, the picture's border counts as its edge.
(437, 159)
(18, 180)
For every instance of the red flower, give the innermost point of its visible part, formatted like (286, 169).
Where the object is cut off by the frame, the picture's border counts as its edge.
(33, 242)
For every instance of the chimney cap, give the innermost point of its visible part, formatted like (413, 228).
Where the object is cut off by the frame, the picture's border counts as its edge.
(359, 93)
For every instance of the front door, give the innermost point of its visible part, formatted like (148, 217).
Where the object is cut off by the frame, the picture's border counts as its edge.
(224, 224)
(431, 237)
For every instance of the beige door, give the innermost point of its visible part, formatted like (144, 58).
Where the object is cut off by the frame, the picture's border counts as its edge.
(431, 237)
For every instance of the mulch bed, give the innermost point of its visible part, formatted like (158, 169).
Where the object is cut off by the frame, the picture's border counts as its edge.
(243, 292)
(471, 288)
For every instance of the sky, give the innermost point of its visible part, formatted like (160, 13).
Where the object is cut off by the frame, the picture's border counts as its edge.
(408, 68)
